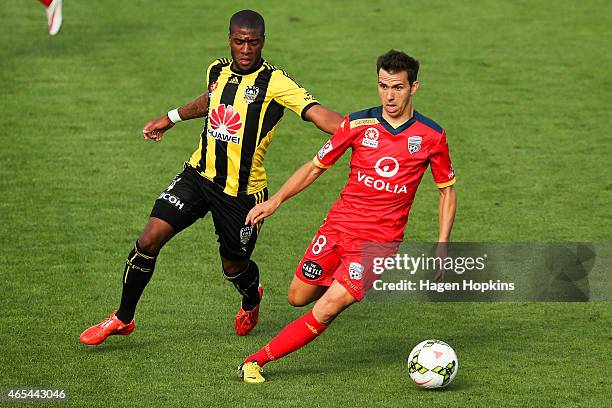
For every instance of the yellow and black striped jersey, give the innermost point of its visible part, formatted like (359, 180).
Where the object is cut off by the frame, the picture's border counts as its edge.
(243, 111)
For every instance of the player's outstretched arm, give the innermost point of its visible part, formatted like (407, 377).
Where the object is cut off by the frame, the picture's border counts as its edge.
(325, 119)
(155, 129)
(302, 178)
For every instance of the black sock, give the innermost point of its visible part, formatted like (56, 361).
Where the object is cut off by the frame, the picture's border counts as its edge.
(138, 271)
(247, 283)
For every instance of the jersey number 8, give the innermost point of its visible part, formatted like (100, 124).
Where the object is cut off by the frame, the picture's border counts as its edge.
(319, 243)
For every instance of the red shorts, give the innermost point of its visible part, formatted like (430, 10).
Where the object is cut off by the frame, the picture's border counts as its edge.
(347, 258)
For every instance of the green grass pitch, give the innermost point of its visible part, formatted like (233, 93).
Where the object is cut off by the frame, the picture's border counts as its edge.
(522, 88)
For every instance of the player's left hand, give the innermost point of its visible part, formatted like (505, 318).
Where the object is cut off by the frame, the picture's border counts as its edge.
(155, 129)
(261, 211)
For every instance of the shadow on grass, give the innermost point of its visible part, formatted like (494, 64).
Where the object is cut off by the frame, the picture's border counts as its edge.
(460, 384)
(119, 345)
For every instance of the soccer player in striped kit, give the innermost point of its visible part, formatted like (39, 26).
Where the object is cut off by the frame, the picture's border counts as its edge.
(244, 102)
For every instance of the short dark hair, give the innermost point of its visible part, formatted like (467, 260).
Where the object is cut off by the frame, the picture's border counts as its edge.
(396, 61)
(248, 19)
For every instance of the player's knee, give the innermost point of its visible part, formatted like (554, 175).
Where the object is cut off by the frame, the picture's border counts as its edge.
(154, 236)
(326, 310)
(149, 245)
(232, 268)
(296, 299)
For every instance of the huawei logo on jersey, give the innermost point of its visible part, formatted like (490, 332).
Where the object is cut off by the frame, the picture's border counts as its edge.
(225, 122)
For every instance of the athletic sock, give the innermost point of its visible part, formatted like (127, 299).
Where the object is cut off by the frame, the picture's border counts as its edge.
(138, 271)
(294, 336)
(247, 283)
(46, 3)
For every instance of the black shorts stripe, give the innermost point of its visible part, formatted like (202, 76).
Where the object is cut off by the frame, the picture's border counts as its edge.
(251, 128)
(227, 98)
(215, 71)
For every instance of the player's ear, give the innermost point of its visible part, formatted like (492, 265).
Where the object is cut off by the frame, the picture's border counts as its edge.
(414, 87)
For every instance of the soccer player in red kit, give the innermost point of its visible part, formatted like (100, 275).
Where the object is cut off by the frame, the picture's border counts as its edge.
(392, 146)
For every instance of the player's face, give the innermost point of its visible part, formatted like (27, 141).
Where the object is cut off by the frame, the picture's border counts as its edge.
(246, 45)
(396, 93)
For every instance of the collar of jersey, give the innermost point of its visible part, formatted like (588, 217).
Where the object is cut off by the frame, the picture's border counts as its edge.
(387, 125)
(254, 69)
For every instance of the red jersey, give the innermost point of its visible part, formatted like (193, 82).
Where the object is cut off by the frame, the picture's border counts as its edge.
(387, 165)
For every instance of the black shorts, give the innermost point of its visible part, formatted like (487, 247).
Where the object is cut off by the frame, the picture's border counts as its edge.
(191, 196)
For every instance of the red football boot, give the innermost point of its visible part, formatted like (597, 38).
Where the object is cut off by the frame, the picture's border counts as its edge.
(246, 320)
(110, 326)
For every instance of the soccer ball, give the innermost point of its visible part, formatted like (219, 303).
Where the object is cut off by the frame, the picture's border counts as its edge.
(432, 364)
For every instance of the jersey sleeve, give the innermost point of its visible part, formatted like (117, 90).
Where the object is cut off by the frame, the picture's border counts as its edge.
(335, 146)
(292, 95)
(441, 165)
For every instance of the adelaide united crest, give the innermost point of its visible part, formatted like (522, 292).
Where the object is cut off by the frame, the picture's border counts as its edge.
(414, 144)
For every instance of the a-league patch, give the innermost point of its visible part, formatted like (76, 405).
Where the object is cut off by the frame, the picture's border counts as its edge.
(312, 270)
(370, 138)
(356, 271)
(414, 144)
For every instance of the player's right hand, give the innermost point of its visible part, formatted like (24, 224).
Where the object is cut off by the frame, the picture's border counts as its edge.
(155, 129)
(261, 211)
(441, 253)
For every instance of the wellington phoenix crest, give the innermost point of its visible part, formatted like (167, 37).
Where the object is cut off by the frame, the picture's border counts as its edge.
(250, 93)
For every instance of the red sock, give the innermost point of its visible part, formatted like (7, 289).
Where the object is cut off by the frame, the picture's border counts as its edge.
(46, 3)
(295, 335)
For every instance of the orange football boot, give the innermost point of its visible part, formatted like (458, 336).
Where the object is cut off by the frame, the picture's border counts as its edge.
(110, 326)
(246, 320)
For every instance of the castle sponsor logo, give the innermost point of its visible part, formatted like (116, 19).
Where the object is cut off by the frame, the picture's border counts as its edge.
(312, 270)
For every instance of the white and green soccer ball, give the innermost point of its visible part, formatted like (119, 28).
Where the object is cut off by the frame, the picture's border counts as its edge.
(432, 364)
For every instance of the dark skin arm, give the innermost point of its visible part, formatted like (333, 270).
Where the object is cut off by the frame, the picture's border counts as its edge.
(155, 129)
(302, 178)
(325, 119)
